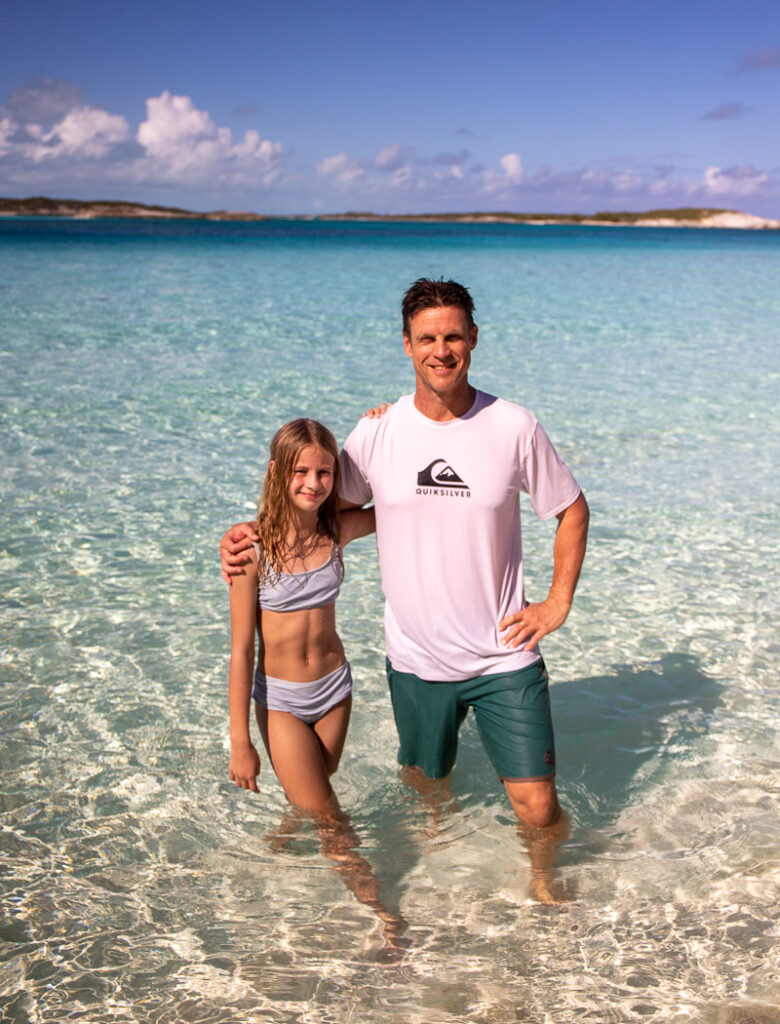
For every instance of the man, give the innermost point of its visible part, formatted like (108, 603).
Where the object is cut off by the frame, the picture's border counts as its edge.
(444, 467)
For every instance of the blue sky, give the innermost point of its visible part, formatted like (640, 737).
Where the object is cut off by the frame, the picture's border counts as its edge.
(531, 105)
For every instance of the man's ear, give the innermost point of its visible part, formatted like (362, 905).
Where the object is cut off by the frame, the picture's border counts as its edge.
(473, 336)
(407, 345)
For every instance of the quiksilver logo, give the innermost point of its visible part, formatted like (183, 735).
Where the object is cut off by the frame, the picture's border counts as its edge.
(439, 477)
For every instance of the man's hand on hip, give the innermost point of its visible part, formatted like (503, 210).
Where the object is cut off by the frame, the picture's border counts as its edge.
(528, 626)
(535, 621)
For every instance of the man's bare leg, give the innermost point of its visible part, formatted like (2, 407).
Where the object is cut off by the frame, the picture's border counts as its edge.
(534, 801)
(543, 827)
(435, 793)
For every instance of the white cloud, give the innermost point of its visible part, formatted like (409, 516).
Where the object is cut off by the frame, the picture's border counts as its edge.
(735, 181)
(333, 164)
(402, 175)
(85, 132)
(177, 144)
(391, 167)
(427, 184)
(182, 144)
(343, 171)
(393, 157)
(7, 130)
(173, 128)
(625, 182)
(512, 166)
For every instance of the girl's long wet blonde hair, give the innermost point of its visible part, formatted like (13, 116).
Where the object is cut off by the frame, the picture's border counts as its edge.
(273, 518)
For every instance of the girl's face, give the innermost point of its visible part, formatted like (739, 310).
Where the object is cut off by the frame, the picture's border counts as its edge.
(311, 480)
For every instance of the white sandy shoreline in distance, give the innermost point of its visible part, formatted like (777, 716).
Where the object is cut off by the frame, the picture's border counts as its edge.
(726, 219)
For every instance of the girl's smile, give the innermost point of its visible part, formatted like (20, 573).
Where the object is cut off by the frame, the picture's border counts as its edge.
(311, 480)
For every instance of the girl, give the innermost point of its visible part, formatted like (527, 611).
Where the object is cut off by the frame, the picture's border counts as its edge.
(302, 684)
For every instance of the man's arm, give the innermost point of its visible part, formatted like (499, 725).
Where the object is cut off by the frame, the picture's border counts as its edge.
(356, 522)
(237, 540)
(535, 621)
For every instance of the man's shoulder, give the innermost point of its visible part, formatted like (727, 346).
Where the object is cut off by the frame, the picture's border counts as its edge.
(371, 426)
(366, 450)
(508, 414)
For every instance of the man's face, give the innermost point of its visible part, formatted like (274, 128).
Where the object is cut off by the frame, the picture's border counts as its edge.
(439, 343)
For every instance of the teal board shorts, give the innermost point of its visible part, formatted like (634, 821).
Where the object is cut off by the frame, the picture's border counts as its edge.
(512, 711)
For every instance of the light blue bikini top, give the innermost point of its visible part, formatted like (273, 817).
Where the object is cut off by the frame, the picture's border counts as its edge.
(295, 591)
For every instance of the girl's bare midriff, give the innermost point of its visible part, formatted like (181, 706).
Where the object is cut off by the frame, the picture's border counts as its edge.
(299, 646)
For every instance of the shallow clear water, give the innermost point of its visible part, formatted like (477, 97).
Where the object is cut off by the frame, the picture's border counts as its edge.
(143, 369)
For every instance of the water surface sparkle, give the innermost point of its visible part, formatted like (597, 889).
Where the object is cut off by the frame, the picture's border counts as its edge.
(143, 370)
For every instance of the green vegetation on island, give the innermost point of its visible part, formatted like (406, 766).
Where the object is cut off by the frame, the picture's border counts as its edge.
(42, 206)
(505, 216)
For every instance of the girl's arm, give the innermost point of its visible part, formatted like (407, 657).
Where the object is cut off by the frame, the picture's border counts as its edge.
(356, 522)
(244, 759)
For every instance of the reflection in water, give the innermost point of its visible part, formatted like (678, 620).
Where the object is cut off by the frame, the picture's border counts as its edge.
(435, 798)
(339, 843)
(541, 844)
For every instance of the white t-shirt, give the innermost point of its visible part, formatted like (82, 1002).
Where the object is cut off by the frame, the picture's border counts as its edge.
(448, 527)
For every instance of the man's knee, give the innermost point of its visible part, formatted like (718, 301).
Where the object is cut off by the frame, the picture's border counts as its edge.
(535, 803)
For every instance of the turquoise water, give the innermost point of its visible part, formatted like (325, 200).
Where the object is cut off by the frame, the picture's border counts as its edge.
(143, 370)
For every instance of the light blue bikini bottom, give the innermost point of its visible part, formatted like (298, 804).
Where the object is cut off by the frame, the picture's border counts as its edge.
(307, 701)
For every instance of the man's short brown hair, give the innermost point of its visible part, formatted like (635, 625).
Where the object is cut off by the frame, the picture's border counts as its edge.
(428, 293)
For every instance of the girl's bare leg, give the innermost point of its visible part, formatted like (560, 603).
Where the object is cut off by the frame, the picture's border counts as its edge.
(331, 731)
(303, 757)
(339, 844)
(297, 758)
(280, 837)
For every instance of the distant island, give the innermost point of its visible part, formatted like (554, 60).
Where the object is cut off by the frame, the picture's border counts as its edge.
(683, 217)
(96, 209)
